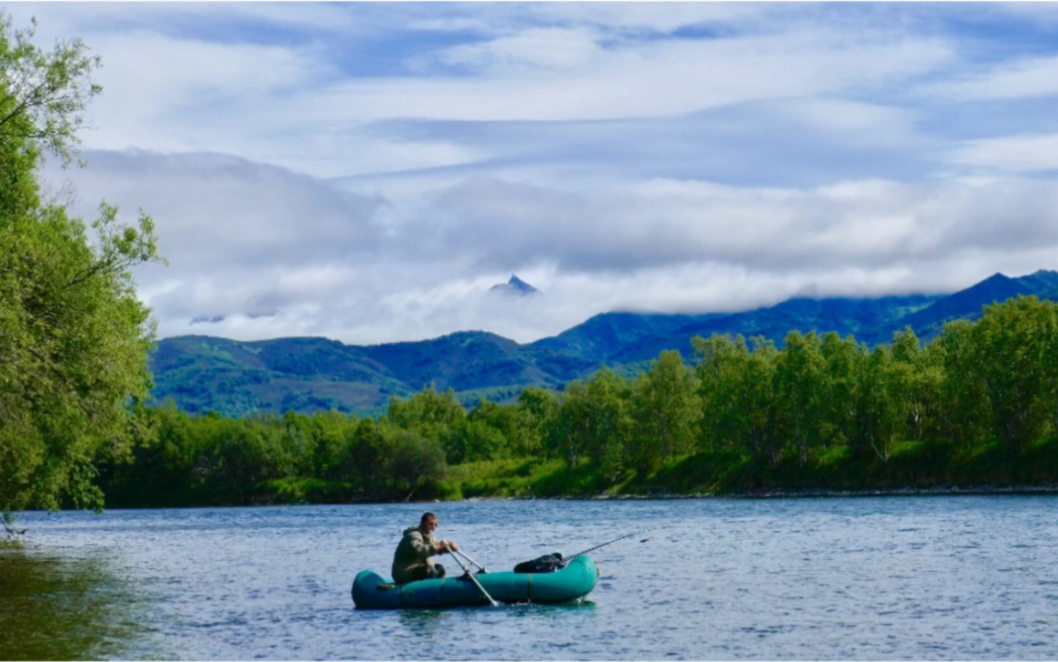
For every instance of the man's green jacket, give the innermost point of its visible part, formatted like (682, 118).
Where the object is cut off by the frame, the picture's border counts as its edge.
(414, 550)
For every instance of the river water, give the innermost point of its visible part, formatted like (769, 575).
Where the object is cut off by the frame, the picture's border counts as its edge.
(966, 577)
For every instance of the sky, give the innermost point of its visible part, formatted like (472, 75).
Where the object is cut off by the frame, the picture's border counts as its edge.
(367, 172)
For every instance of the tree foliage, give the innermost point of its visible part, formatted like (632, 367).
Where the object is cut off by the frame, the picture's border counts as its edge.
(739, 406)
(980, 387)
(667, 410)
(74, 337)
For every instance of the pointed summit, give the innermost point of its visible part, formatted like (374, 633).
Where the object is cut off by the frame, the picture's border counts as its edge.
(515, 286)
(520, 285)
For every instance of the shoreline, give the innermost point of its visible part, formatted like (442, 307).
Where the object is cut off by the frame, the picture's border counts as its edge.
(770, 493)
(807, 493)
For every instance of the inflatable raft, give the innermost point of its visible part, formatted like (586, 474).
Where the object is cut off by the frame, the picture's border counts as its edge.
(372, 591)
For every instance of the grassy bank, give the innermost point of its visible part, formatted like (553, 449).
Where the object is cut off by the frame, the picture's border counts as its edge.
(911, 467)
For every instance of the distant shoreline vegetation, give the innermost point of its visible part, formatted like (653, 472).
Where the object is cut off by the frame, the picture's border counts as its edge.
(975, 408)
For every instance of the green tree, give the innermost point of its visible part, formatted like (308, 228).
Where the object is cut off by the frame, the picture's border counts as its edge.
(367, 448)
(592, 421)
(738, 397)
(719, 366)
(841, 384)
(880, 407)
(1012, 345)
(760, 411)
(413, 462)
(44, 92)
(799, 380)
(919, 383)
(474, 440)
(609, 434)
(330, 444)
(569, 429)
(538, 408)
(430, 414)
(74, 338)
(299, 437)
(494, 425)
(965, 411)
(253, 452)
(667, 411)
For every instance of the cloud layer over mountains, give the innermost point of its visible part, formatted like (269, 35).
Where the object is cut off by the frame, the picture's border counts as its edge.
(368, 172)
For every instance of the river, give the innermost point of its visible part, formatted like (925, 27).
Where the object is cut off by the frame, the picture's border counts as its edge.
(959, 577)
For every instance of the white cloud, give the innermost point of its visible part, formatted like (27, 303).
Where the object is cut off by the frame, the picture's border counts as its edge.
(655, 224)
(1023, 78)
(1026, 153)
(646, 80)
(294, 103)
(663, 17)
(616, 18)
(248, 240)
(223, 21)
(554, 48)
(214, 211)
(171, 94)
(853, 122)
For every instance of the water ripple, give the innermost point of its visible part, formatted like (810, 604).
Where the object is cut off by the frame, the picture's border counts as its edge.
(879, 578)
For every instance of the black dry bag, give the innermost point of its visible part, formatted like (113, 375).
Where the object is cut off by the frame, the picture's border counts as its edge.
(546, 563)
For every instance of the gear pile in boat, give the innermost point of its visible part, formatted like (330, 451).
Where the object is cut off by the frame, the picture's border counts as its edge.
(545, 563)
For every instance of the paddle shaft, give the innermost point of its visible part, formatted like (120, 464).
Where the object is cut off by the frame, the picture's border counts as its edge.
(475, 580)
(483, 569)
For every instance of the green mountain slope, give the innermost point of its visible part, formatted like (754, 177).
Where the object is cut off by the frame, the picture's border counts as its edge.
(969, 303)
(202, 373)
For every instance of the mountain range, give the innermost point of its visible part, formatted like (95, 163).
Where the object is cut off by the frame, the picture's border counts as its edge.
(235, 378)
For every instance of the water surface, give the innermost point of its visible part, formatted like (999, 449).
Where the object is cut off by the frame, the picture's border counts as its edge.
(855, 578)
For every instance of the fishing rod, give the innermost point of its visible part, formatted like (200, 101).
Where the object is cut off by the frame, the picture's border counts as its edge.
(553, 562)
(567, 559)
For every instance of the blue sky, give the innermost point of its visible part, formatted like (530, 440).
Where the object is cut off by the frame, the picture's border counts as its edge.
(366, 172)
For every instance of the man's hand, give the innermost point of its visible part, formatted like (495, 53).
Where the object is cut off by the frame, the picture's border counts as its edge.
(441, 546)
(452, 547)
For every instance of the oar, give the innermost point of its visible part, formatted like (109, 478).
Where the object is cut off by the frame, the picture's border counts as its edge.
(475, 580)
(483, 568)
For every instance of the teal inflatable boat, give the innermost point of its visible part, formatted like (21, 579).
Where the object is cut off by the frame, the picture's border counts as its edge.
(372, 591)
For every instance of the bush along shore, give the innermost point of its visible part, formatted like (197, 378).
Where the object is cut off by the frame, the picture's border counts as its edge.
(974, 410)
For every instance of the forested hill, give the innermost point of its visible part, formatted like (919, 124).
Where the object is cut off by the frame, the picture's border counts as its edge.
(202, 373)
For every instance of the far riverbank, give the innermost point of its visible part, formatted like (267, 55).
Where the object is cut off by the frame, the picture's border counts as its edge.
(982, 490)
(910, 471)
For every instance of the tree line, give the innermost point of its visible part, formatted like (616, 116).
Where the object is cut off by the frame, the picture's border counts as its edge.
(989, 387)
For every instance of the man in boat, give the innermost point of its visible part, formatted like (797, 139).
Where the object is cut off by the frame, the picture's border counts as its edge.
(413, 559)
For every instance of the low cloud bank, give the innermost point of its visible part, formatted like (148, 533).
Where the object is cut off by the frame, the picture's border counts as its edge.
(268, 252)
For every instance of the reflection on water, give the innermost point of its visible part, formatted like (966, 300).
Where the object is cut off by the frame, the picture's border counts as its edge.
(56, 608)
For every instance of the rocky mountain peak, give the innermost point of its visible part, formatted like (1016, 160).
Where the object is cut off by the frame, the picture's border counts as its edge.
(515, 286)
